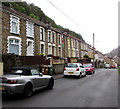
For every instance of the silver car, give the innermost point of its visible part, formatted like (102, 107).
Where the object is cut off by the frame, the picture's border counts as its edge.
(25, 80)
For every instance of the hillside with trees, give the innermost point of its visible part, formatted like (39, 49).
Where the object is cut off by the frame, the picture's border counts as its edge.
(114, 52)
(36, 13)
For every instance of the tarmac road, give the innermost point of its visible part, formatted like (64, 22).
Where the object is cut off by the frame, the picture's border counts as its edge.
(97, 90)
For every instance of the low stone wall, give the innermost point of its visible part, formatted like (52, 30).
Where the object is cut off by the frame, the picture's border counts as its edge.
(58, 68)
(10, 60)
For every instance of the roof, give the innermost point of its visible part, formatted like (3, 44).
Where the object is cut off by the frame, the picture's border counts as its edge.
(28, 18)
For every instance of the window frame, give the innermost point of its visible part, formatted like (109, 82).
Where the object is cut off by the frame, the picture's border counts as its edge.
(42, 34)
(33, 74)
(17, 24)
(32, 41)
(14, 38)
(49, 36)
(42, 51)
(27, 29)
(60, 51)
(59, 39)
(49, 48)
(53, 37)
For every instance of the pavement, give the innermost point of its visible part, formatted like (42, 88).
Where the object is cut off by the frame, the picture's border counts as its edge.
(58, 76)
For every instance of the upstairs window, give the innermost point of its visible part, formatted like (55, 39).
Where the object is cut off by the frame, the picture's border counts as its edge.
(30, 29)
(42, 36)
(59, 39)
(49, 36)
(76, 44)
(68, 39)
(72, 43)
(54, 37)
(14, 24)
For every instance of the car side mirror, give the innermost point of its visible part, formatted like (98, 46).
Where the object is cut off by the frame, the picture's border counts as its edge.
(41, 74)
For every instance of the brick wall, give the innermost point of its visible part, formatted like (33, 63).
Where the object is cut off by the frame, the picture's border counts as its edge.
(23, 35)
(5, 30)
(37, 39)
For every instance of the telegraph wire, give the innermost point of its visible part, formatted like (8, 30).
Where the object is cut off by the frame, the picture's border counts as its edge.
(68, 17)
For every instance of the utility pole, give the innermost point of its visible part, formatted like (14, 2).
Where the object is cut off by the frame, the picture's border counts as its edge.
(93, 50)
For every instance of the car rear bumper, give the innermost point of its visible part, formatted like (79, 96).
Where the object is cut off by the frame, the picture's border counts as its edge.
(11, 88)
(72, 74)
(89, 72)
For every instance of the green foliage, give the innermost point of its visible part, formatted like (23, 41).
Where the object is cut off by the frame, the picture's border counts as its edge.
(36, 13)
(40, 54)
(6, 3)
(60, 28)
(86, 56)
(33, 16)
(18, 8)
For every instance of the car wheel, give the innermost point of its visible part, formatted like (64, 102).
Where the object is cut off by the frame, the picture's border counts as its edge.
(28, 90)
(65, 76)
(51, 83)
(93, 72)
(80, 75)
(85, 74)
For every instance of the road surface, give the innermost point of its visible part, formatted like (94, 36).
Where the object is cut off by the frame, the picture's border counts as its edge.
(97, 90)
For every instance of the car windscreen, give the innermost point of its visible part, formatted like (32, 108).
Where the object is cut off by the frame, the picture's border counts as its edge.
(72, 66)
(20, 72)
(87, 65)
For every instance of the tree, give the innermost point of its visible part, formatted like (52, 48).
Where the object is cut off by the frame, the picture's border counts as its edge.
(33, 16)
(86, 56)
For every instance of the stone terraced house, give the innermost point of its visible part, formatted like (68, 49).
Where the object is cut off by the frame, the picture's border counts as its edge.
(26, 36)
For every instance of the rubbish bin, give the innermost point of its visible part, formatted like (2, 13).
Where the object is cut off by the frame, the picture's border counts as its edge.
(50, 71)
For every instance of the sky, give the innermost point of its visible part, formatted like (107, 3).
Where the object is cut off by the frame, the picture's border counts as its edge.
(86, 17)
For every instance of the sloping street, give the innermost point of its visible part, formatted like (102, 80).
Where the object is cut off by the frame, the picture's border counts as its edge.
(98, 90)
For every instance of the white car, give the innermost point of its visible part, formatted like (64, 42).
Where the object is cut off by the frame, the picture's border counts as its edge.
(107, 65)
(74, 69)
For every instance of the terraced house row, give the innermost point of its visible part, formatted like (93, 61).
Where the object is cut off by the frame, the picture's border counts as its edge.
(26, 36)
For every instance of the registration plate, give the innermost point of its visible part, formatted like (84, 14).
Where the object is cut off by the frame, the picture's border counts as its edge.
(2, 88)
(70, 72)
